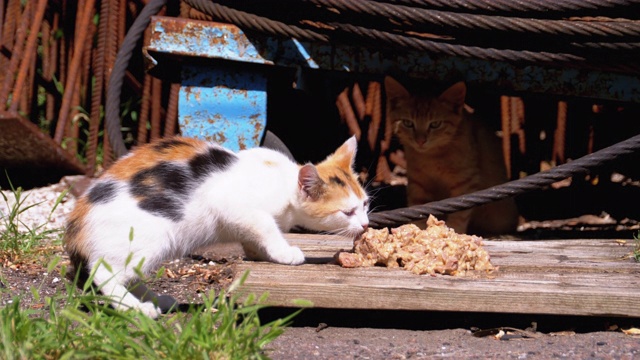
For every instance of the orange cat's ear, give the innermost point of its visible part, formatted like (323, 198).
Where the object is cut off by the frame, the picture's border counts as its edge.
(345, 156)
(394, 89)
(455, 95)
(309, 182)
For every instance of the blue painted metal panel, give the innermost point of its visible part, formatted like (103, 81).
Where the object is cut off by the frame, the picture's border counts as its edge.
(224, 41)
(220, 105)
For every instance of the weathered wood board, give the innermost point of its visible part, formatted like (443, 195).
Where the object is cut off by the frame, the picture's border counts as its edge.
(570, 277)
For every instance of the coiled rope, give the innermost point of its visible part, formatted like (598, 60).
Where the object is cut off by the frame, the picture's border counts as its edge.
(625, 34)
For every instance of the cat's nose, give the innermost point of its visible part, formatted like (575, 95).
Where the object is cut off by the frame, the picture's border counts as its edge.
(365, 227)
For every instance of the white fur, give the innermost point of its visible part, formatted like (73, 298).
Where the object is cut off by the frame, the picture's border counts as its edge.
(252, 202)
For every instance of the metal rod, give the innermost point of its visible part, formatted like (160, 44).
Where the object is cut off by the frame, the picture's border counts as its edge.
(74, 70)
(29, 52)
(16, 55)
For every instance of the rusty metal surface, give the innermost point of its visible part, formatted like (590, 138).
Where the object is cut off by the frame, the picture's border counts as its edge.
(187, 37)
(22, 144)
(194, 38)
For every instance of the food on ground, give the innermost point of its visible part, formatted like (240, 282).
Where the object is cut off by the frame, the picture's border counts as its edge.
(437, 249)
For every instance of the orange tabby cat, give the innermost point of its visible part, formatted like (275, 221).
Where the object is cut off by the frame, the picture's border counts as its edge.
(449, 154)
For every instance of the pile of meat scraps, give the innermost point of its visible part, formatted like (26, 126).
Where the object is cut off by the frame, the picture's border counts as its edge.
(436, 250)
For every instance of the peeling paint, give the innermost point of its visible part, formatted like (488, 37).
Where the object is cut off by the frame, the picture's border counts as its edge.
(230, 108)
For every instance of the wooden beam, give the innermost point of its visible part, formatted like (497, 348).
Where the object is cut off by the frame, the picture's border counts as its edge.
(568, 277)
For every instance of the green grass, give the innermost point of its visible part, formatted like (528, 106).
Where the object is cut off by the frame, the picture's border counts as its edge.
(636, 249)
(16, 243)
(83, 327)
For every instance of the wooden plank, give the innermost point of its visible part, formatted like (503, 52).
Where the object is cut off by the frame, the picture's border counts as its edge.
(570, 277)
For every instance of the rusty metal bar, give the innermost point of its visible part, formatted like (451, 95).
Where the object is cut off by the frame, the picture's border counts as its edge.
(359, 103)
(29, 52)
(74, 70)
(346, 113)
(8, 31)
(505, 120)
(517, 106)
(156, 108)
(16, 55)
(46, 64)
(26, 101)
(24, 98)
(64, 47)
(51, 104)
(1, 19)
(112, 36)
(111, 48)
(145, 110)
(72, 129)
(171, 119)
(383, 171)
(68, 138)
(559, 136)
(122, 20)
(98, 88)
(373, 95)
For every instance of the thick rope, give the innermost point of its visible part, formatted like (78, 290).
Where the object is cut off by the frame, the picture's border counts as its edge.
(444, 21)
(548, 8)
(406, 42)
(562, 35)
(509, 189)
(253, 22)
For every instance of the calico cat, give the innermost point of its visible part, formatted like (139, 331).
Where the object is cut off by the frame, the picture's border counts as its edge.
(449, 153)
(168, 198)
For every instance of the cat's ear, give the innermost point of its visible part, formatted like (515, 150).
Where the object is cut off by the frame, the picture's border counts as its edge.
(310, 183)
(345, 156)
(394, 89)
(455, 95)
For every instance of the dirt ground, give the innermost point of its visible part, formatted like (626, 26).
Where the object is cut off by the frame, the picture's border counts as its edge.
(350, 334)
(371, 343)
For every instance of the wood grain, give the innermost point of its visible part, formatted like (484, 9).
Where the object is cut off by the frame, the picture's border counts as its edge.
(570, 277)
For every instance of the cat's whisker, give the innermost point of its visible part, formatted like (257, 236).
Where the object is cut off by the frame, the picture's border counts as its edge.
(367, 185)
(373, 210)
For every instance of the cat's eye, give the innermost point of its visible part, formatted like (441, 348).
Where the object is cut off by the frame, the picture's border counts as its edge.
(435, 124)
(349, 212)
(407, 123)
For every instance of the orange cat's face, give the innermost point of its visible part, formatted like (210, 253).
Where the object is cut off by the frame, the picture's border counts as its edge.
(421, 122)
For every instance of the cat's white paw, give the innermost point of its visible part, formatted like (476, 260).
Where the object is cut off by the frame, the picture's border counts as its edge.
(297, 256)
(289, 256)
(148, 309)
